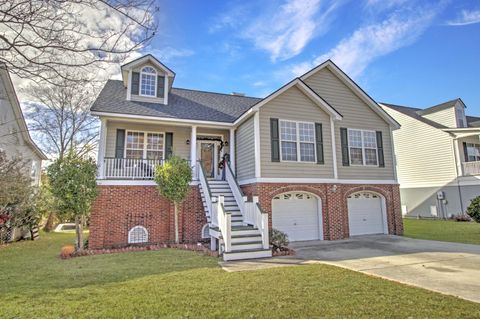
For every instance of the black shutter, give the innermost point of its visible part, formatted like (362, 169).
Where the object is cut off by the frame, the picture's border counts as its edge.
(344, 140)
(135, 83)
(120, 143)
(319, 140)
(381, 158)
(168, 145)
(275, 140)
(465, 151)
(160, 86)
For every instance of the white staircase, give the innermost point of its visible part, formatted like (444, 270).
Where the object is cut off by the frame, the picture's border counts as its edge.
(238, 237)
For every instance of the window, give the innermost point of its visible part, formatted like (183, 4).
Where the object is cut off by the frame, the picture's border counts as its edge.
(297, 141)
(205, 231)
(473, 152)
(138, 235)
(141, 145)
(362, 147)
(460, 117)
(148, 82)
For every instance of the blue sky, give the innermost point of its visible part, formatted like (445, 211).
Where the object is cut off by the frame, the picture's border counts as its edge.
(416, 53)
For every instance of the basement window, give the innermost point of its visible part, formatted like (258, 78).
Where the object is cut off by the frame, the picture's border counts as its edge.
(138, 235)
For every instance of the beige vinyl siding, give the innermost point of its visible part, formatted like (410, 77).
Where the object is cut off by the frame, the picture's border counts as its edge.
(424, 153)
(180, 136)
(445, 117)
(356, 115)
(294, 105)
(245, 150)
(146, 98)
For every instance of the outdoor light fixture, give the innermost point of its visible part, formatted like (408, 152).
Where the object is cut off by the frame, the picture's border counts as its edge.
(188, 142)
(225, 143)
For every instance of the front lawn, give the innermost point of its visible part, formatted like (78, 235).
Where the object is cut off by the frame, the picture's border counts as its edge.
(35, 283)
(459, 232)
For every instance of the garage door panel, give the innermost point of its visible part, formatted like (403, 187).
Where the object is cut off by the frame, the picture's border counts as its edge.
(298, 218)
(365, 214)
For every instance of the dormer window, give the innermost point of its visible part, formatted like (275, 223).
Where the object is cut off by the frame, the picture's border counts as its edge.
(148, 81)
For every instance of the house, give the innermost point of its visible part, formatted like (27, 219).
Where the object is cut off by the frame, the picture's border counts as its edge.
(15, 139)
(438, 158)
(313, 159)
(16, 142)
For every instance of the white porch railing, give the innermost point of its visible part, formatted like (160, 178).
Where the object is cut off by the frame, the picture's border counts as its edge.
(471, 168)
(224, 219)
(255, 216)
(236, 190)
(129, 168)
(206, 192)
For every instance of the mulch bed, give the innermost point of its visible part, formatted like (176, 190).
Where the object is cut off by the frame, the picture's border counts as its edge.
(283, 252)
(191, 247)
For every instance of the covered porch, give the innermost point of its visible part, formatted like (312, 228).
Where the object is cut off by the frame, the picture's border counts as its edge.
(467, 150)
(131, 149)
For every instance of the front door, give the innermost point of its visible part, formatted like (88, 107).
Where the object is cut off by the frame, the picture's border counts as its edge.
(207, 156)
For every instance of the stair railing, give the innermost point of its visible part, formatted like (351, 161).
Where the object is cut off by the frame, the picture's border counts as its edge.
(236, 190)
(224, 223)
(207, 193)
(255, 216)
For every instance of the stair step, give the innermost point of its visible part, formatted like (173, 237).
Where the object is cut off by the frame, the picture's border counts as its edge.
(247, 254)
(244, 246)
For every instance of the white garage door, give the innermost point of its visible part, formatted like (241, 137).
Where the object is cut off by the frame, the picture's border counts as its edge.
(298, 215)
(365, 215)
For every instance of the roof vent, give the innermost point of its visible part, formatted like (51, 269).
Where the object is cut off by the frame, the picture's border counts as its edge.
(238, 94)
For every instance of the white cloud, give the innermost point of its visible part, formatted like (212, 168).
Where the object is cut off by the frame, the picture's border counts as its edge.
(354, 53)
(466, 17)
(282, 31)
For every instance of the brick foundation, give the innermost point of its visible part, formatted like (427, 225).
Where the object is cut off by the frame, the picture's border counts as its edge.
(119, 208)
(334, 203)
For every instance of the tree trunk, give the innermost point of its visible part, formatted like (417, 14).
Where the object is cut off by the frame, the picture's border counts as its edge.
(176, 222)
(79, 233)
(49, 224)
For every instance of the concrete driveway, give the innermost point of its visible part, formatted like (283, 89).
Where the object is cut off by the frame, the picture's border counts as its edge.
(449, 268)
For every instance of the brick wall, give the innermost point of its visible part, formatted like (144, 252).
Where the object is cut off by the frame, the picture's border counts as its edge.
(334, 203)
(119, 208)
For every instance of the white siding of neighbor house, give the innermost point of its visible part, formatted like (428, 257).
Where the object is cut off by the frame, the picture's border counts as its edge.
(12, 141)
(356, 115)
(424, 153)
(445, 117)
(294, 105)
(180, 135)
(245, 150)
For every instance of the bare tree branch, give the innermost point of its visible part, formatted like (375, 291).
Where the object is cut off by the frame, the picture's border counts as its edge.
(61, 41)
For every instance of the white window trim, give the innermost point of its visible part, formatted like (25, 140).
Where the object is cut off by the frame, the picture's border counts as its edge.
(297, 142)
(144, 156)
(364, 162)
(140, 80)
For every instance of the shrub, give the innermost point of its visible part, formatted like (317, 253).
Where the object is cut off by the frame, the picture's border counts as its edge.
(474, 209)
(462, 218)
(278, 240)
(67, 251)
(85, 243)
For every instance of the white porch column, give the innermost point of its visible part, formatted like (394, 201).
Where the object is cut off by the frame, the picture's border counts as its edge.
(193, 151)
(101, 148)
(232, 150)
(456, 149)
(165, 92)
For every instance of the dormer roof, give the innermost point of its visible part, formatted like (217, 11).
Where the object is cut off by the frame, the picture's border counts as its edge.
(148, 58)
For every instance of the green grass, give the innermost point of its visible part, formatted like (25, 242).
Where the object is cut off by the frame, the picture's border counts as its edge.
(35, 283)
(459, 232)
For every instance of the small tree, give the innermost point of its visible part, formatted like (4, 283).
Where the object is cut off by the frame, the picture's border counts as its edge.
(73, 184)
(173, 179)
(473, 209)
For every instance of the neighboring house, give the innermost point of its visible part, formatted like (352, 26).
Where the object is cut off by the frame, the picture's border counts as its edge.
(438, 158)
(313, 159)
(15, 139)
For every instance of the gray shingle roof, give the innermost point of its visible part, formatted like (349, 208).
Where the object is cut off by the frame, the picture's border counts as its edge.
(473, 121)
(182, 104)
(413, 112)
(439, 107)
